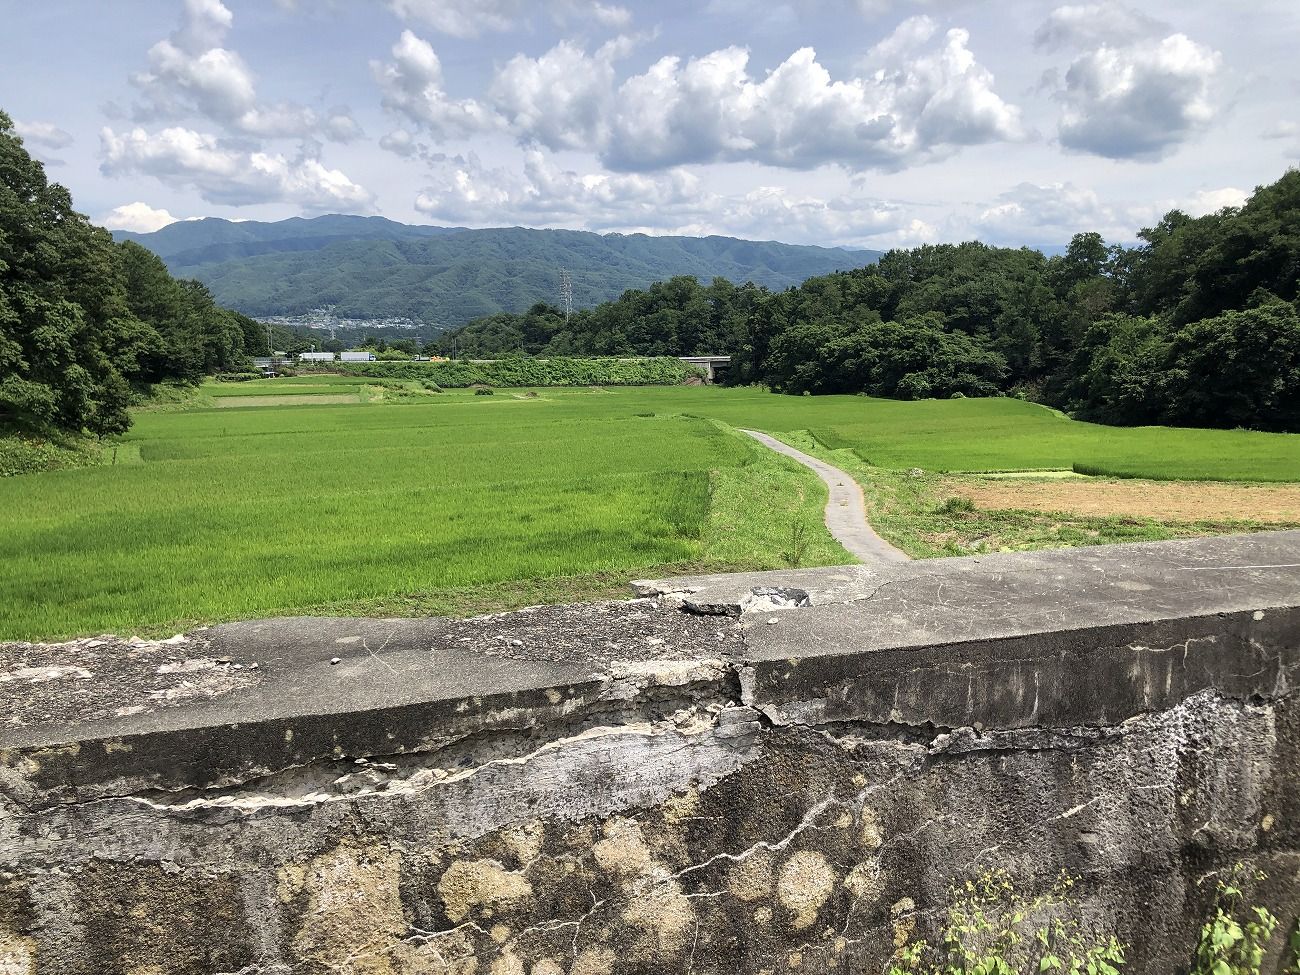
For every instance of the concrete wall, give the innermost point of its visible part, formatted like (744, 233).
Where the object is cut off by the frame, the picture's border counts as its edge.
(661, 785)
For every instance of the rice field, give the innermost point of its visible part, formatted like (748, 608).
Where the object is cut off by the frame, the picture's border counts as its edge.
(299, 503)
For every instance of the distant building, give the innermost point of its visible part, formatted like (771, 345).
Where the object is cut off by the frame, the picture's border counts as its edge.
(317, 357)
(357, 356)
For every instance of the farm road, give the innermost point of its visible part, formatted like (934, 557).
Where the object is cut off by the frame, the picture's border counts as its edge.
(846, 510)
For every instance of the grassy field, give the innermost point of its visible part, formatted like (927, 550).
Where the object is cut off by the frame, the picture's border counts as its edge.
(430, 504)
(408, 500)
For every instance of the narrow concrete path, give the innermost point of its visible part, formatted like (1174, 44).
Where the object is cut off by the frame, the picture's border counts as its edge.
(846, 509)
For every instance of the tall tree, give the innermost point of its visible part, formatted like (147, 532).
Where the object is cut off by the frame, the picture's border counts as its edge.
(63, 309)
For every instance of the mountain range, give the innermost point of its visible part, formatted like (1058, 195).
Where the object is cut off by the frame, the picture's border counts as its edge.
(375, 268)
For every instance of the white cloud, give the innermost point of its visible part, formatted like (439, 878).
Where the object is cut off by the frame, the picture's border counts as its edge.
(1092, 24)
(1140, 101)
(1035, 214)
(542, 194)
(138, 217)
(611, 15)
(191, 73)
(206, 24)
(1212, 201)
(920, 97)
(461, 18)
(412, 86)
(586, 11)
(399, 142)
(340, 126)
(46, 135)
(223, 175)
(1285, 131)
(471, 18)
(562, 99)
(1030, 213)
(1131, 91)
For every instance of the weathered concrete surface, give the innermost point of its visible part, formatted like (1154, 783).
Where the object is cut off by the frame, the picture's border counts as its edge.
(632, 787)
(846, 508)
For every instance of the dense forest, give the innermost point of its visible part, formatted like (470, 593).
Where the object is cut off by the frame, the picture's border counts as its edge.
(87, 324)
(1197, 325)
(372, 268)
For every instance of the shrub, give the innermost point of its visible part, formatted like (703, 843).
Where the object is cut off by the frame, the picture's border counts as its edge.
(483, 391)
(30, 455)
(956, 505)
(237, 377)
(992, 929)
(1233, 940)
(507, 373)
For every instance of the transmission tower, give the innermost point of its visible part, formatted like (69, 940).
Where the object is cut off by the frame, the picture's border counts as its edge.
(566, 293)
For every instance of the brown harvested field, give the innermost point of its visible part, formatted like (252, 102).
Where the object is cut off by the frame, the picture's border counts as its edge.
(230, 402)
(1161, 500)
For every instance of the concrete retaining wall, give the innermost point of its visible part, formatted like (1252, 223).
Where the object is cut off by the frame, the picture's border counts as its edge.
(661, 785)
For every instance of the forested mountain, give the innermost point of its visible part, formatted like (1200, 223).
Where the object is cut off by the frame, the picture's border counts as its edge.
(212, 240)
(84, 321)
(1197, 325)
(368, 267)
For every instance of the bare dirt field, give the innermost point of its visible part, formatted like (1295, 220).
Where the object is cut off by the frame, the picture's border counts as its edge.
(1162, 500)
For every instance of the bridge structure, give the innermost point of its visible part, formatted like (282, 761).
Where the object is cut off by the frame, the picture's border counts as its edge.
(715, 366)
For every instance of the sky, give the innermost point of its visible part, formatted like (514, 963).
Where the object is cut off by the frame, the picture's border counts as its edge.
(857, 123)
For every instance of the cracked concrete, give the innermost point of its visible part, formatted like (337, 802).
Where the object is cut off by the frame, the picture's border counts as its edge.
(670, 783)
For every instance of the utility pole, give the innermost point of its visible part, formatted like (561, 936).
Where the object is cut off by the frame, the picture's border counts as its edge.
(270, 347)
(566, 293)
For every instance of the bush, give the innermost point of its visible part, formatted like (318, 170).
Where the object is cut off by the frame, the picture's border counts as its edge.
(507, 373)
(992, 929)
(1233, 941)
(27, 455)
(483, 391)
(237, 377)
(956, 505)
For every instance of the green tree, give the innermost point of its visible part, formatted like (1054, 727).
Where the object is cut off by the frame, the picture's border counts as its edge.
(1237, 369)
(63, 311)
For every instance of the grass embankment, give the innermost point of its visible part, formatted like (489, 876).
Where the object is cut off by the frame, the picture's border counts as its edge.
(413, 500)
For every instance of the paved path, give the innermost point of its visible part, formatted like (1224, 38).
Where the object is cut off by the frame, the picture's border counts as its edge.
(846, 511)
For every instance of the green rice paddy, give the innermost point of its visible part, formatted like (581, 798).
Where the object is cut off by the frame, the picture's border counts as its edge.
(406, 495)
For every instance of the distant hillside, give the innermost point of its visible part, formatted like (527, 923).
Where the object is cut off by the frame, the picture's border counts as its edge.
(370, 267)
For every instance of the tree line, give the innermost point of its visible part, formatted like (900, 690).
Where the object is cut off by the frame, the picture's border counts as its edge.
(1196, 325)
(88, 325)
